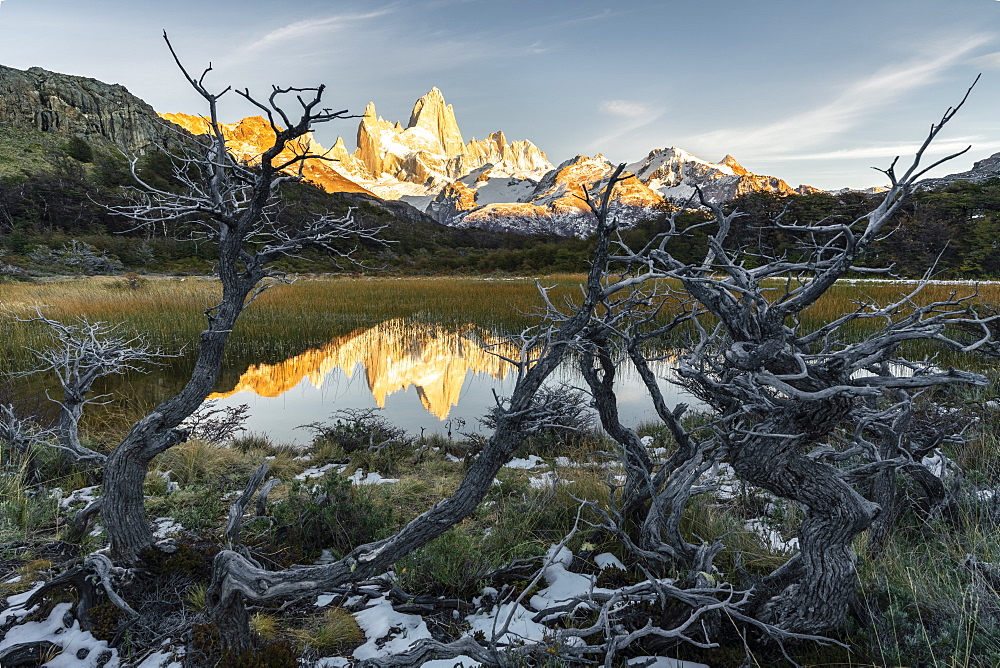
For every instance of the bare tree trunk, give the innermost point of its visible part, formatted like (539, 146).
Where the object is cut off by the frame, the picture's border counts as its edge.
(70, 414)
(123, 511)
(638, 467)
(835, 515)
(69, 420)
(234, 577)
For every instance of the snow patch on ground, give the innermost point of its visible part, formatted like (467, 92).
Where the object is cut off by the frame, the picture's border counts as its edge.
(359, 478)
(14, 603)
(74, 641)
(546, 480)
(314, 472)
(772, 537)
(388, 632)
(661, 662)
(938, 464)
(608, 560)
(164, 527)
(532, 461)
(725, 480)
(521, 627)
(564, 585)
(160, 660)
(460, 660)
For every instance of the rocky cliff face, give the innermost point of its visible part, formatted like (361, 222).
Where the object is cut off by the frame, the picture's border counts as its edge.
(428, 155)
(250, 137)
(988, 168)
(553, 205)
(675, 174)
(37, 99)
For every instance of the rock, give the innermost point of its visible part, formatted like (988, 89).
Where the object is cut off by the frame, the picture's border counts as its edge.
(556, 204)
(37, 99)
(26, 654)
(426, 156)
(676, 174)
(987, 168)
(430, 113)
(250, 137)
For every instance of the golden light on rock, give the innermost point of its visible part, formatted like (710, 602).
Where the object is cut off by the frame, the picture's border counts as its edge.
(250, 137)
(394, 355)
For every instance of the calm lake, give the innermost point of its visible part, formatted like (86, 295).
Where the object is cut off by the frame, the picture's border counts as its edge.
(417, 348)
(427, 378)
(412, 346)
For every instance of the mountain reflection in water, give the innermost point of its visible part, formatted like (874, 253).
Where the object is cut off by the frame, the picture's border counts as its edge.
(394, 355)
(450, 371)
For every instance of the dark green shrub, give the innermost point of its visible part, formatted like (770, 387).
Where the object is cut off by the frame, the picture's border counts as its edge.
(272, 655)
(332, 515)
(357, 430)
(79, 149)
(104, 620)
(187, 560)
(453, 565)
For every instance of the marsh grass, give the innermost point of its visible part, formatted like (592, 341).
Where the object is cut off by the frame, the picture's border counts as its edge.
(197, 461)
(288, 320)
(333, 630)
(926, 608)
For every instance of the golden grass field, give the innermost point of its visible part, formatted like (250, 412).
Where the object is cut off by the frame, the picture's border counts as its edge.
(287, 319)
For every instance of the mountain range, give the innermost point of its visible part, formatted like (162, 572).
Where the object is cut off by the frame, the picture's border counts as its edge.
(494, 183)
(491, 183)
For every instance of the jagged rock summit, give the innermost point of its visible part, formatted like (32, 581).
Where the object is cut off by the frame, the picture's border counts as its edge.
(417, 162)
(675, 174)
(555, 204)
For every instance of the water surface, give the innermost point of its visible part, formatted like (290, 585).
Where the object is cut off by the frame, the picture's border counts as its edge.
(427, 377)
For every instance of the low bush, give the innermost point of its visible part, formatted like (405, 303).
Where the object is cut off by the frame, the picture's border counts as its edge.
(332, 515)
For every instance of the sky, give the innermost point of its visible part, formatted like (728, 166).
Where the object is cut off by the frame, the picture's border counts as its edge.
(811, 92)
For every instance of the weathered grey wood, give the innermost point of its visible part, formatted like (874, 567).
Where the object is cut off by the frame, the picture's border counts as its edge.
(26, 654)
(235, 578)
(232, 203)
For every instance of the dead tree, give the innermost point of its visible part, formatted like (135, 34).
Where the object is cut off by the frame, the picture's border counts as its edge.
(22, 434)
(80, 353)
(235, 205)
(236, 579)
(799, 412)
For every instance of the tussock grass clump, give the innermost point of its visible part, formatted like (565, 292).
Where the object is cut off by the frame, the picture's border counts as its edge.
(195, 597)
(264, 625)
(197, 461)
(453, 565)
(334, 631)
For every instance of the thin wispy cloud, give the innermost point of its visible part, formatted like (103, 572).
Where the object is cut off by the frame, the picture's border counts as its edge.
(989, 61)
(847, 110)
(609, 140)
(301, 30)
(624, 108)
(603, 14)
(889, 151)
